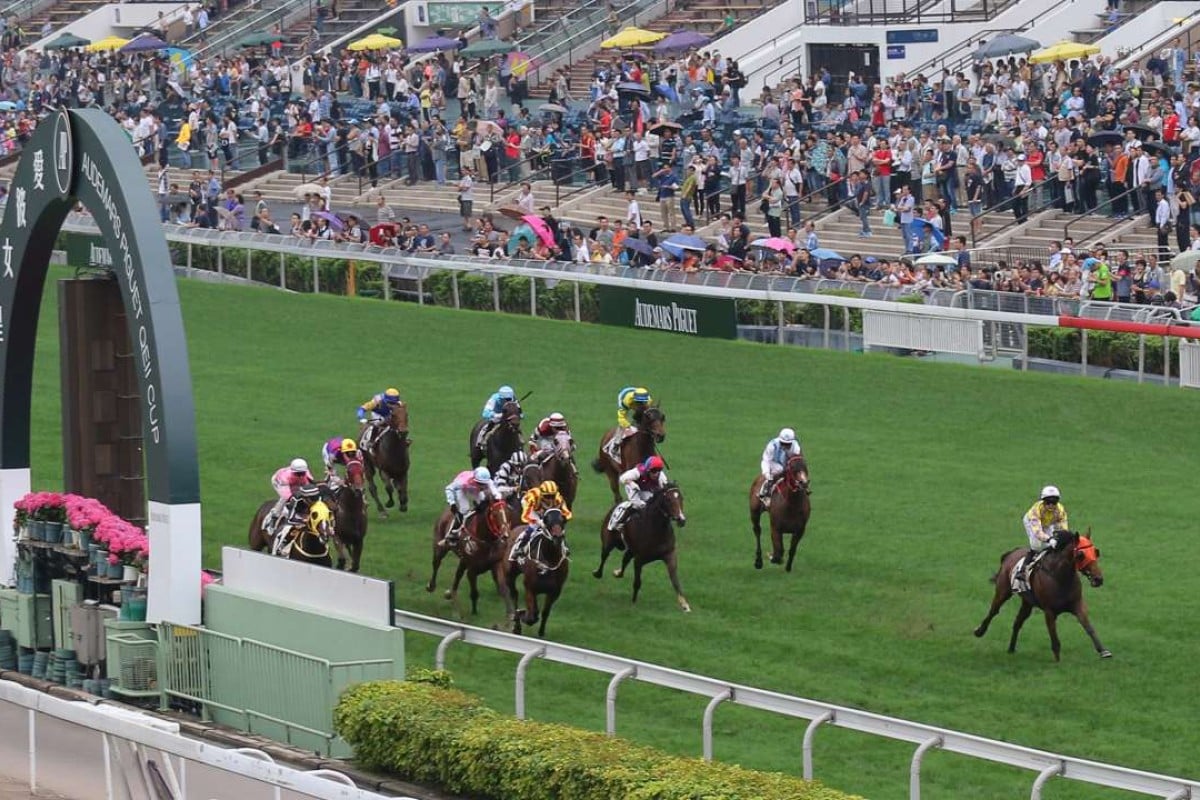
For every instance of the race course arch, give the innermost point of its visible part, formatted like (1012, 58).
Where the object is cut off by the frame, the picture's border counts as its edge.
(83, 155)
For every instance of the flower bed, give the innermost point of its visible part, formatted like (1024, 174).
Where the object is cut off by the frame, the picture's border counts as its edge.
(125, 542)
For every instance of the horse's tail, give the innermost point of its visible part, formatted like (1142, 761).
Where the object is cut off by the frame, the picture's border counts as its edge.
(597, 464)
(1003, 558)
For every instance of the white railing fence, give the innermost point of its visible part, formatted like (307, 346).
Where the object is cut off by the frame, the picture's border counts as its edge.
(1189, 364)
(927, 737)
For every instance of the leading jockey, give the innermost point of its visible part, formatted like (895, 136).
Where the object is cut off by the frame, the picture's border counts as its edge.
(774, 459)
(534, 503)
(632, 401)
(468, 489)
(375, 413)
(639, 483)
(285, 481)
(542, 440)
(338, 451)
(493, 410)
(1044, 518)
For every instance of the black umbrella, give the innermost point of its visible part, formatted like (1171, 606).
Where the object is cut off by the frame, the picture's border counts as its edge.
(1144, 133)
(1105, 137)
(1159, 148)
(629, 87)
(66, 41)
(1005, 45)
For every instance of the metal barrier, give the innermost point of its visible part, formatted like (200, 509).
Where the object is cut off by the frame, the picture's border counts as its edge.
(260, 685)
(932, 334)
(1189, 364)
(716, 692)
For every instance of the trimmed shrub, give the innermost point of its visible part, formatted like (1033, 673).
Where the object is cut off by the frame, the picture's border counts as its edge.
(425, 730)
(1105, 349)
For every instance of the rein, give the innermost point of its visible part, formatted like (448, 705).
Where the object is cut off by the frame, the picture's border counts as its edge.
(300, 549)
(537, 559)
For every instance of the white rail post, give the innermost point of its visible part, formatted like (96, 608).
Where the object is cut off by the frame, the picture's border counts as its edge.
(914, 770)
(1083, 354)
(1141, 356)
(519, 686)
(108, 774)
(189, 260)
(807, 747)
(439, 658)
(1043, 777)
(249, 264)
(610, 696)
(495, 291)
(779, 322)
(454, 286)
(578, 317)
(282, 270)
(32, 751)
(316, 276)
(220, 260)
(1167, 361)
(716, 700)
(533, 297)
(825, 341)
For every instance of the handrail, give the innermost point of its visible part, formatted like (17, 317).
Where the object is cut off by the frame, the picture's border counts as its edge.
(568, 180)
(1006, 205)
(256, 22)
(1086, 214)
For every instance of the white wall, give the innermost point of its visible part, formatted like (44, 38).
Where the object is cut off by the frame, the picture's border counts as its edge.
(114, 19)
(1154, 23)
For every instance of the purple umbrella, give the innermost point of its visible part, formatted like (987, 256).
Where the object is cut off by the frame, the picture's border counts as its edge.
(143, 43)
(680, 41)
(334, 220)
(434, 43)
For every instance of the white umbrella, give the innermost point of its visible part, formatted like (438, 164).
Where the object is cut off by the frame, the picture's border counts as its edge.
(940, 259)
(308, 188)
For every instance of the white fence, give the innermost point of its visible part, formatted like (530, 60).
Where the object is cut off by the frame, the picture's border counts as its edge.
(926, 737)
(913, 332)
(138, 757)
(1189, 364)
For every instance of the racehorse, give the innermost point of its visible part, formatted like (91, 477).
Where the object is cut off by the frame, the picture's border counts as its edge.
(311, 541)
(1055, 587)
(391, 460)
(651, 429)
(648, 536)
(789, 511)
(502, 442)
(558, 465)
(482, 545)
(544, 572)
(349, 515)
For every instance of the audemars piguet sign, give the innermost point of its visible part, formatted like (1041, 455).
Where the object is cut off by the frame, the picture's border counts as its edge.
(81, 156)
(664, 311)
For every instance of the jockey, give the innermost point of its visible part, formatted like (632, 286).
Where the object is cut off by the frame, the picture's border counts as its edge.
(493, 410)
(542, 440)
(285, 481)
(374, 413)
(468, 489)
(774, 458)
(639, 482)
(631, 402)
(1045, 518)
(534, 503)
(507, 479)
(338, 451)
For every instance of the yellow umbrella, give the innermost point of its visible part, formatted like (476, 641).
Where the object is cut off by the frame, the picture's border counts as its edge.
(1064, 51)
(376, 41)
(633, 37)
(111, 43)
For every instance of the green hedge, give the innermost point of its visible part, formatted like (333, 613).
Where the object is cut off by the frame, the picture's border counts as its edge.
(1105, 349)
(426, 731)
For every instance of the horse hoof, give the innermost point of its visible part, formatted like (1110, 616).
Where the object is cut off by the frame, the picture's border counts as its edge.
(404, 508)
(979, 632)
(775, 560)
(341, 563)
(598, 574)
(383, 514)
(449, 595)
(390, 503)
(684, 607)
(429, 587)
(758, 563)
(618, 573)
(1106, 654)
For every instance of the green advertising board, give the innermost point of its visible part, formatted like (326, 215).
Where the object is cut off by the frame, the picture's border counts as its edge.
(87, 250)
(711, 317)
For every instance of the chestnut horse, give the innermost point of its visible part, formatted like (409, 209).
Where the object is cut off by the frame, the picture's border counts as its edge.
(650, 432)
(347, 498)
(648, 536)
(1055, 587)
(558, 465)
(391, 460)
(502, 442)
(544, 571)
(789, 511)
(311, 543)
(482, 545)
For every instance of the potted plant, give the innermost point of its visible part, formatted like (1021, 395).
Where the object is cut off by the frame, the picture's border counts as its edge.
(83, 515)
(52, 511)
(21, 519)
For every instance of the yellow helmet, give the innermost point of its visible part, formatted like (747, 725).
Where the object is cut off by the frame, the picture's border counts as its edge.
(549, 487)
(392, 394)
(349, 446)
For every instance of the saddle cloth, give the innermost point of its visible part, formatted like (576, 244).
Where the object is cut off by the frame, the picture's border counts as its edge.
(1018, 582)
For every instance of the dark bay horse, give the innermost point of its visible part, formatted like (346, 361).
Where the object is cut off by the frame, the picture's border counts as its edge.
(311, 541)
(789, 511)
(1055, 588)
(348, 500)
(391, 460)
(544, 572)
(636, 448)
(482, 546)
(558, 465)
(649, 535)
(504, 440)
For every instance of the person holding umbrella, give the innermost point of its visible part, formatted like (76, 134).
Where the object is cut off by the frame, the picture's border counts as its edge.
(772, 207)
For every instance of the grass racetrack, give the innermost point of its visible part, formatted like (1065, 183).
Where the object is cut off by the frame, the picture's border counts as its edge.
(920, 475)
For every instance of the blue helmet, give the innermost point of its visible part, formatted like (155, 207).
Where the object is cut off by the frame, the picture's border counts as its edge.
(507, 393)
(482, 475)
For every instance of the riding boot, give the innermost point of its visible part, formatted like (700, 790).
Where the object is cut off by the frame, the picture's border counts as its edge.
(764, 491)
(451, 538)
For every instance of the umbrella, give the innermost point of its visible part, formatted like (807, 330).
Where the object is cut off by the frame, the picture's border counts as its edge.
(1159, 148)
(1186, 260)
(144, 43)
(335, 221)
(659, 128)
(7, 105)
(555, 107)
(629, 87)
(485, 127)
(179, 57)
(1143, 132)
(677, 243)
(486, 47)
(259, 39)
(775, 243)
(825, 254)
(512, 212)
(308, 188)
(435, 43)
(375, 42)
(386, 30)
(633, 37)
(1005, 45)
(520, 63)
(540, 227)
(638, 245)
(1063, 51)
(109, 43)
(1105, 137)
(935, 232)
(66, 41)
(939, 259)
(680, 41)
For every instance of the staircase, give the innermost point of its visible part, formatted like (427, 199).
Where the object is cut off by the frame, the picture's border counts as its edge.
(352, 14)
(1099, 24)
(58, 15)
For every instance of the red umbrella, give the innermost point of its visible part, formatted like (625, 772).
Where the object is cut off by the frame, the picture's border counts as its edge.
(540, 227)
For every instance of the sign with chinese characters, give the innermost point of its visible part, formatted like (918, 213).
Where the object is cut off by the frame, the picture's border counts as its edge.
(913, 36)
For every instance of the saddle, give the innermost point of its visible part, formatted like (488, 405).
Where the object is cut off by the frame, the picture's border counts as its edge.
(1021, 581)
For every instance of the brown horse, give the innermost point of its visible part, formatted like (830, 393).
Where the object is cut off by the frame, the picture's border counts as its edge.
(502, 442)
(481, 548)
(789, 512)
(311, 540)
(651, 430)
(558, 465)
(1055, 587)
(544, 572)
(647, 536)
(390, 459)
(349, 515)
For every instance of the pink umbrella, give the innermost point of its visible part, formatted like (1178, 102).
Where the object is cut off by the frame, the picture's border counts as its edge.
(540, 228)
(775, 243)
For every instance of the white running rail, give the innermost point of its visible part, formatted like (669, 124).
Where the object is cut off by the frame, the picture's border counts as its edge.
(1189, 364)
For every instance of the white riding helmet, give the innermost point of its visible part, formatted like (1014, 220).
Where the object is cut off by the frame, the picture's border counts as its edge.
(787, 436)
(507, 393)
(482, 475)
(1050, 491)
(299, 465)
(557, 420)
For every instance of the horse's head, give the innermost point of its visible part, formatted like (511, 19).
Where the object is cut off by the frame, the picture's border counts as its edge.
(496, 519)
(670, 501)
(554, 523)
(320, 520)
(398, 419)
(654, 421)
(795, 474)
(564, 445)
(354, 472)
(1087, 558)
(510, 415)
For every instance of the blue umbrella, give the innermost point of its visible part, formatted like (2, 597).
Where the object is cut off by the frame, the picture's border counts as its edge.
(686, 242)
(680, 41)
(435, 43)
(144, 43)
(638, 246)
(935, 232)
(825, 254)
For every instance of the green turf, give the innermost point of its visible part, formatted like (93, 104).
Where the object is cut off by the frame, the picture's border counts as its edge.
(921, 473)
